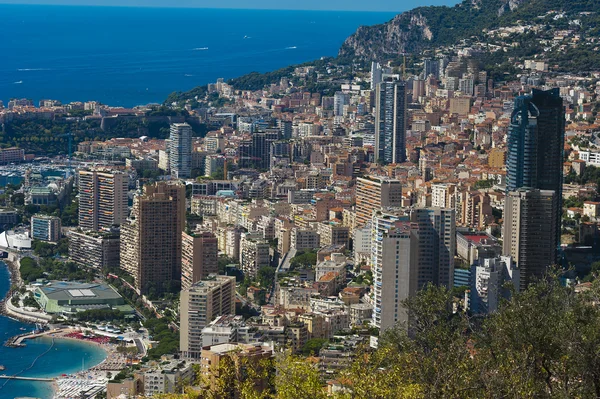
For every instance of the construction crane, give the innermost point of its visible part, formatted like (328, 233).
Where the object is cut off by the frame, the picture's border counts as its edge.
(69, 135)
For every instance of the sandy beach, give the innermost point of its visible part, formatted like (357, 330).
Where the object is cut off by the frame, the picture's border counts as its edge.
(92, 378)
(114, 360)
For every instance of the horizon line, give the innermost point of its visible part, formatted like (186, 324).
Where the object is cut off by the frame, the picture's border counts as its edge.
(205, 8)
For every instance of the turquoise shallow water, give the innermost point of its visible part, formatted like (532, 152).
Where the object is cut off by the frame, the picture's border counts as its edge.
(65, 357)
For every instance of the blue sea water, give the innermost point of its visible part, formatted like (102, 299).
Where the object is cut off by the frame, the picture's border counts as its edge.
(130, 56)
(65, 357)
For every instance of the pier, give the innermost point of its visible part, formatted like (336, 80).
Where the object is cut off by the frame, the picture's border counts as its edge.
(17, 340)
(12, 377)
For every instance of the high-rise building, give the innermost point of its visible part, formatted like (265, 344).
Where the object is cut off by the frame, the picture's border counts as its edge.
(409, 250)
(151, 238)
(530, 231)
(535, 142)
(431, 67)
(180, 150)
(200, 304)
(534, 162)
(254, 253)
(376, 74)
(339, 100)
(255, 153)
(45, 228)
(394, 270)
(466, 86)
(96, 250)
(418, 89)
(390, 122)
(285, 128)
(102, 199)
(437, 244)
(199, 257)
(214, 164)
(373, 193)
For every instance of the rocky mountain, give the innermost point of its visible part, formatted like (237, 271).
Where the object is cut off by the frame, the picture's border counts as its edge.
(427, 27)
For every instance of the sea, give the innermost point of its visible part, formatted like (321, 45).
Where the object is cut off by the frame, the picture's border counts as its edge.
(64, 357)
(127, 56)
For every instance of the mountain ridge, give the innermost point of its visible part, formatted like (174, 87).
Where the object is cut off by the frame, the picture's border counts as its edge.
(428, 27)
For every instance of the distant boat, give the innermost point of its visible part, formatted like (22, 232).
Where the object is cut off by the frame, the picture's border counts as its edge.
(22, 329)
(18, 82)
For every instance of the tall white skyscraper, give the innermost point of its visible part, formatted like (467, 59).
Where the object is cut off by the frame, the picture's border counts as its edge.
(180, 150)
(376, 74)
(394, 270)
(410, 249)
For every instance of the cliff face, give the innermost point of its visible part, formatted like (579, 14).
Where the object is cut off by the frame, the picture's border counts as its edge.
(415, 30)
(406, 33)
(426, 27)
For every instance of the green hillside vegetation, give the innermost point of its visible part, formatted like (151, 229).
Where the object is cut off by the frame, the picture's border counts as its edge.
(450, 25)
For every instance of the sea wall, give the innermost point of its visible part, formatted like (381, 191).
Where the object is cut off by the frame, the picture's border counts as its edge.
(25, 315)
(6, 307)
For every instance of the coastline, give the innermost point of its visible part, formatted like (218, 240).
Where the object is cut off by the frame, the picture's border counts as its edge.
(13, 269)
(5, 306)
(13, 279)
(97, 374)
(60, 335)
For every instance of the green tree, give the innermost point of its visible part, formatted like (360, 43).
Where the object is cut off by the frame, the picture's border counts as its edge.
(304, 259)
(313, 346)
(298, 378)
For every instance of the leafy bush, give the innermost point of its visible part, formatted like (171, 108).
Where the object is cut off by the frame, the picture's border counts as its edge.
(168, 340)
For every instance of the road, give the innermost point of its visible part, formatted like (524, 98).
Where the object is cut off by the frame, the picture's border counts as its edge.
(140, 346)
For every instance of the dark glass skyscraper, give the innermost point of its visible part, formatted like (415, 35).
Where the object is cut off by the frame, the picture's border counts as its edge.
(535, 142)
(534, 168)
(390, 122)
